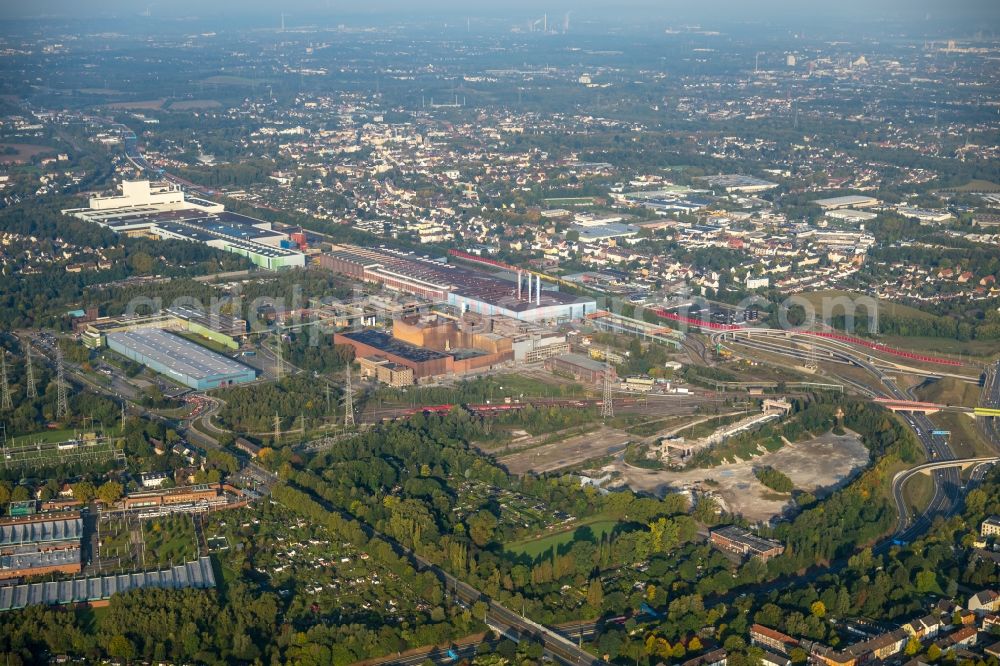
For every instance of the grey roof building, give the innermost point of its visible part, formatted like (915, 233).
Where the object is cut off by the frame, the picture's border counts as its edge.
(197, 574)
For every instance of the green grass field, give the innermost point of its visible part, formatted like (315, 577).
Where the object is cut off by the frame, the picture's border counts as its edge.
(570, 201)
(977, 348)
(170, 540)
(227, 80)
(886, 308)
(45, 436)
(950, 391)
(976, 186)
(966, 439)
(918, 492)
(598, 525)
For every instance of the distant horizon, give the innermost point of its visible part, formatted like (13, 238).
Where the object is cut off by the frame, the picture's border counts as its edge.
(785, 12)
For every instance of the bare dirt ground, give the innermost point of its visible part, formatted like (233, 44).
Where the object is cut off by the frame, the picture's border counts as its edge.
(25, 151)
(817, 466)
(568, 452)
(188, 104)
(144, 105)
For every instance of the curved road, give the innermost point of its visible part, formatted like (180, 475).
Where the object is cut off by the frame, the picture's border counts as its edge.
(947, 482)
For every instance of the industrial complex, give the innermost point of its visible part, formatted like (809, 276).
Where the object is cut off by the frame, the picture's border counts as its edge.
(735, 539)
(97, 591)
(162, 211)
(219, 328)
(421, 347)
(522, 297)
(37, 544)
(182, 360)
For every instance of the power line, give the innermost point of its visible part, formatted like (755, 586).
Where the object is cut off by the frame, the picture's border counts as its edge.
(348, 401)
(30, 372)
(5, 400)
(607, 404)
(279, 361)
(62, 403)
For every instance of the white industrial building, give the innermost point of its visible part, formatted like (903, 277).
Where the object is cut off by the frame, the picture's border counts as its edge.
(161, 211)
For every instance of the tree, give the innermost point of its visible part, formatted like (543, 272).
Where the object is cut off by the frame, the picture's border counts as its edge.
(912, 646)
(121, 647)
(109, 492)
(975, 501)
(926, 581)
(84, 491)
(481, 527)
(20, 494)
(818, 609)
(694, 645)
(141, 263)
(933, 652)
(774, 479)
(595, 594)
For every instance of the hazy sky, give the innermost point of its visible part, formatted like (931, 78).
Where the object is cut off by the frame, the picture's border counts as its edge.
(787, 11)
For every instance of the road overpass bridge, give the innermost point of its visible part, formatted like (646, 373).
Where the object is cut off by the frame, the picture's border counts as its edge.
(910, 406)
(962, 463)
(904, 526)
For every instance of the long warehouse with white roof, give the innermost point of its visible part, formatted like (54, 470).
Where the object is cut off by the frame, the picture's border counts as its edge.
(180, 359)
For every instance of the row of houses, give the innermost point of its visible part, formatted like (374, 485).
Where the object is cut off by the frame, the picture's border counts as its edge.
(964, 632)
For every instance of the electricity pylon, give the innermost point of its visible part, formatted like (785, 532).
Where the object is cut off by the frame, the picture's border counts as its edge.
(348, 401)
(29, 372)
(607, 404)
(62, 403)
(5, 399)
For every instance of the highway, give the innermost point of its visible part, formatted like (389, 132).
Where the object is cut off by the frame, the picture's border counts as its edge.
(979, 468)
(822, 348)
(990, 397)
(947, 482)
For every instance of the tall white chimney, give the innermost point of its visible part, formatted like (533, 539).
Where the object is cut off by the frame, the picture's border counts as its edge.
(519, 285)
(538, 291)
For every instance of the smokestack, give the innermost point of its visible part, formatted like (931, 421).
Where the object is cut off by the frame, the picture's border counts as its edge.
(519, 285)
(529, 287)
(538, 291)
